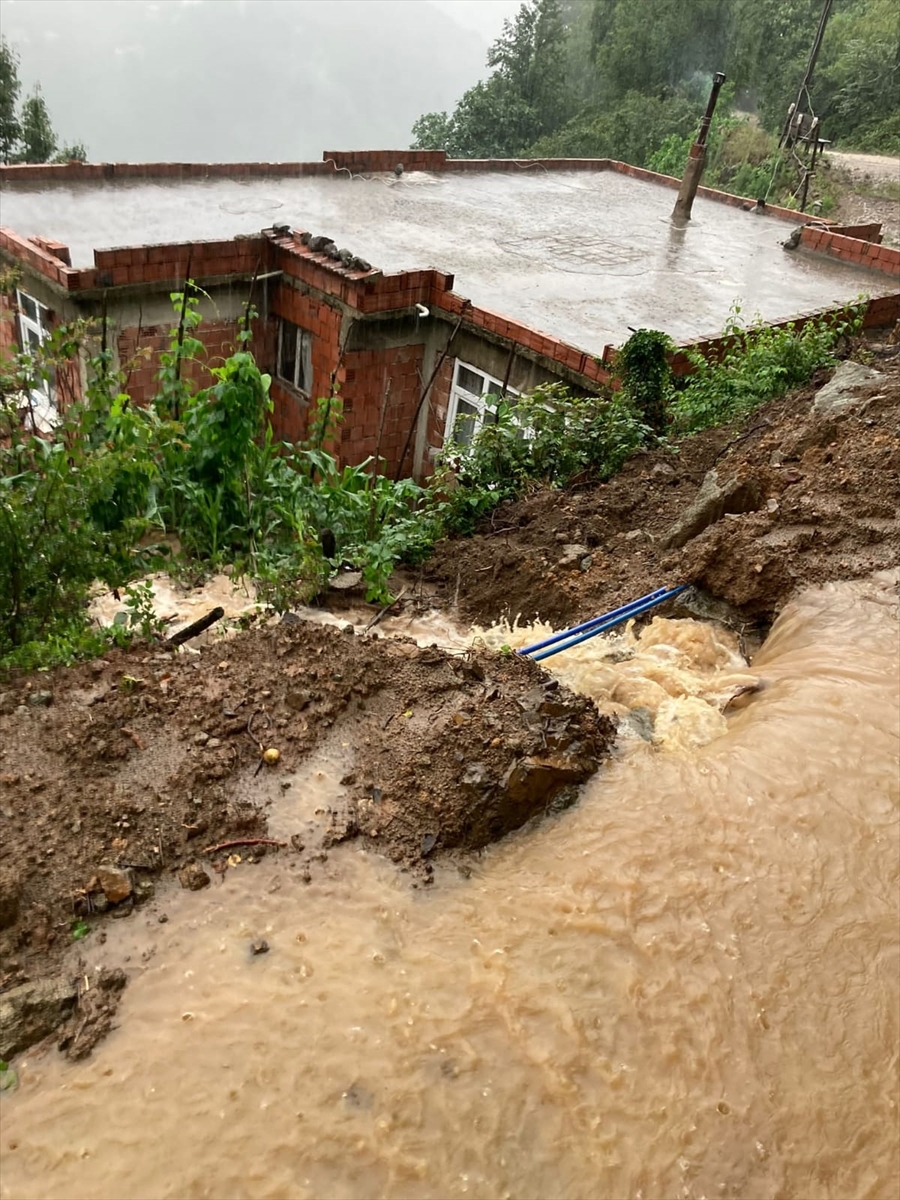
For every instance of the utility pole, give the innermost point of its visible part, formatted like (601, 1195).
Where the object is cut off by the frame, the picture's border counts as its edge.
(794, 120)
(697, 157)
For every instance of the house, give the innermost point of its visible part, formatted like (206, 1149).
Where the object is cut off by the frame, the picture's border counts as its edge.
(553, 262)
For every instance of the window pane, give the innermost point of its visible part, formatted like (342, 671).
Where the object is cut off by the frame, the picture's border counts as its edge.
(304, 362)
(287, 364)
(34, 341)
(28, 306)
(470, 380)
(466, 422)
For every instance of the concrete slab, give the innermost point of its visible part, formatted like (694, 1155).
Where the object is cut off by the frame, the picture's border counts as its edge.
(580, 256)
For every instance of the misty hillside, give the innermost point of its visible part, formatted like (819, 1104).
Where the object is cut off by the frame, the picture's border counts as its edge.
(238, 81)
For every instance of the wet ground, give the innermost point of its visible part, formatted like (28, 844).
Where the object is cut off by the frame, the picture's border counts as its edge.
(684, 986)
(580, 255)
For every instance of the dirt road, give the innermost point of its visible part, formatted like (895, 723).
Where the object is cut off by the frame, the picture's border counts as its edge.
(884, 168)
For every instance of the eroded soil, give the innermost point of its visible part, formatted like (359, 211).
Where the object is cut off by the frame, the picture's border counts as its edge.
(816, 499)
(148, 763)
(148, 766)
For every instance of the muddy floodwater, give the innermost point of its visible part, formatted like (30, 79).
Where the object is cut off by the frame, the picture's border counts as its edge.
(685, 986)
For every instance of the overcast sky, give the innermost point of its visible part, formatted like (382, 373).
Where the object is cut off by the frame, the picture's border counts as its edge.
(247, 80)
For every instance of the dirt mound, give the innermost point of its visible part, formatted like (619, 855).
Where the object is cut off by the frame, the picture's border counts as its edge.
(799, 497)
(147, 763)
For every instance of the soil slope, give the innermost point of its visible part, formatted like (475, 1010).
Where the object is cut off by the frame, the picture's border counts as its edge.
(814, 498)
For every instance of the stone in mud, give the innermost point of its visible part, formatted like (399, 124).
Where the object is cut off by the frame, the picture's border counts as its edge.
(715, 498)
(92, 1020)
(259, 946)
(115, 883)
(33, 1011)
(842, 392)
(193, 877)
(40, 699)
(573, 553)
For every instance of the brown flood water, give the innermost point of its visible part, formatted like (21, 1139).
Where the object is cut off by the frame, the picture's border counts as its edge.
(686, 986)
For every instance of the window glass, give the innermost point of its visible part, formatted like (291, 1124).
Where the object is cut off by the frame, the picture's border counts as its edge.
(28, 306)
(470, 380)
(287, 358)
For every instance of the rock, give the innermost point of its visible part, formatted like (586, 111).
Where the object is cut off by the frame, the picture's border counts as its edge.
(297, 701)
(93, 1018)
(201, 738)
(144, 890)
(360, 264)
(840, 394)
(193, 877)
(33, 1011)
(317, 244)
(40, 699)
(639, 722)
(259, 946)
(7, 703)
(572, 555)
(700, 604)
(114, 882)
(587, 562)
(345, 580)
(715, 498)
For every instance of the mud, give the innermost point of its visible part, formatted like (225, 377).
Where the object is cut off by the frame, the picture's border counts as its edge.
(150, 764)
(815, 500)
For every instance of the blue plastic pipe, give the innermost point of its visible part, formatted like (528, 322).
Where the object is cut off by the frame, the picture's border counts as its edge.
(565, 634)
(609, 621)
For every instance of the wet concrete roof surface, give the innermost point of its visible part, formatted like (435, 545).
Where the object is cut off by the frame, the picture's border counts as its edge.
(579, 255)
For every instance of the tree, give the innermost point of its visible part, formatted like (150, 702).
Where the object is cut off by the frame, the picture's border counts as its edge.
(524, 97)
(38, 139)
(9, 96)
(530, 57)
(77, 152)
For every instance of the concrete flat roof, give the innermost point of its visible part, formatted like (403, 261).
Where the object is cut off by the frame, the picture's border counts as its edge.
(579, 255)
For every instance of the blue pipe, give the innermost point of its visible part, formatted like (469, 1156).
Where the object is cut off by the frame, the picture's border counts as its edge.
(634, 610)
(564, 634)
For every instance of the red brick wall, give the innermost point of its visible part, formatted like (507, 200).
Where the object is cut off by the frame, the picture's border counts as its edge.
(139, 350)
(851, 249)
(366, 376)
(311, 312)
(9, 339)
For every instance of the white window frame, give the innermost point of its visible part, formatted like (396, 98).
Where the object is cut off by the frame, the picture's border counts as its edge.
(459, 392)
(302, 381)
(42, 402)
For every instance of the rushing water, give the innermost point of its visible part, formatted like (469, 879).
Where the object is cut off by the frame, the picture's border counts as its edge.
(686, 986)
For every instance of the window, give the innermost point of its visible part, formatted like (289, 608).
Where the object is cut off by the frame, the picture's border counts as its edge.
(34, 329)
(469, 408)
(295, 357)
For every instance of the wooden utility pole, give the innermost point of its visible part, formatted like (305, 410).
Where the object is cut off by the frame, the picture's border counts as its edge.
(697, 158)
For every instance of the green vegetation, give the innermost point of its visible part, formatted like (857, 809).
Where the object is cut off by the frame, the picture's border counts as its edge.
(616, 79)
(92, 501)
(27, 136)
(759, 364)
(554, 438)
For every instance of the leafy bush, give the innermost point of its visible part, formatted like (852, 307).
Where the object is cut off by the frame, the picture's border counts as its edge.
(759, 364)
(549, 436)
(77, 506)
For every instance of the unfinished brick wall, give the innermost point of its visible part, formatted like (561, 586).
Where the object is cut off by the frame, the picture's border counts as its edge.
(9, 335)
(852, 249)
(311, 312)
(139, 349)
(372, 378)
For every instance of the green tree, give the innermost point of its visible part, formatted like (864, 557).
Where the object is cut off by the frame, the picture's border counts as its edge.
(38, 139)
(524, 97)
(9, 97)
(77, 152)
